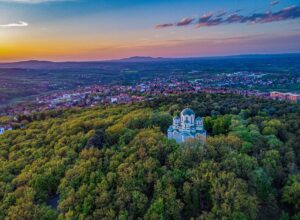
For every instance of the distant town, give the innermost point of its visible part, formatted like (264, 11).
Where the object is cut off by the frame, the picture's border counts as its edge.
(120, 94)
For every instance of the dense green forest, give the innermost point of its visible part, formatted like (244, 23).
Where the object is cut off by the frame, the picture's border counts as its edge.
(114, 162)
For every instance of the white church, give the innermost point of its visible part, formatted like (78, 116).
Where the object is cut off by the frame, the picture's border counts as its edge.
(2, 130)
(186, 127)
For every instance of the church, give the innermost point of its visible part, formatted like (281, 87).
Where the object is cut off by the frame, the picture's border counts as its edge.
(186, 127)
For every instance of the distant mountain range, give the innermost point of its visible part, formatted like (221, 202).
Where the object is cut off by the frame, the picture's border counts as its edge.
(142, 59)
(37, 64)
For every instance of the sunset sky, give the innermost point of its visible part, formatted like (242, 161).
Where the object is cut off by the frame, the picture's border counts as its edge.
(107, 29)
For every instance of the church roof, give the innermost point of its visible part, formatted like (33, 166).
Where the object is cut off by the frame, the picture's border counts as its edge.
(188, 111)
(198, 118)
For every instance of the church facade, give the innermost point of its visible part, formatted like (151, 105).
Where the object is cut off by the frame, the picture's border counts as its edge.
(186, 127)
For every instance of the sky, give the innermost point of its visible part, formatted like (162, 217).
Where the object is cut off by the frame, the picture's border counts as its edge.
(74, 30)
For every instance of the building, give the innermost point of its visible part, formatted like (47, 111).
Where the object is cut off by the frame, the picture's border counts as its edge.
(285, 96)
(5, 128)
(186, 127)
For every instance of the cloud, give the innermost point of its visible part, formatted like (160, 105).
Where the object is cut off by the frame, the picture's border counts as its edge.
(185, 21)
(210, 22)
(274, 2)
(221, 13)
(33, 1)
(159, 26)
(288, 13)
(209, 19)
(18, 24)
(205, 17)
(234, 18)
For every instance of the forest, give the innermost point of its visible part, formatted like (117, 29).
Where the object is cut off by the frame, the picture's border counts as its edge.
(115, 162)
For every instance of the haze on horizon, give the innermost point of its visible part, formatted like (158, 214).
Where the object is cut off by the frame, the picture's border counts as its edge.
(76, 30)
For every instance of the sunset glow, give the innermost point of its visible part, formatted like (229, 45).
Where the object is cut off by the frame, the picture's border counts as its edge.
(100, 30)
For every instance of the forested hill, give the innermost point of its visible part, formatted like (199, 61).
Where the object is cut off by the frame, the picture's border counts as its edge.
(114, 162)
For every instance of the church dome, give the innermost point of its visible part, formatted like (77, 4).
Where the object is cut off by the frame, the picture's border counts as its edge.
(188, 111)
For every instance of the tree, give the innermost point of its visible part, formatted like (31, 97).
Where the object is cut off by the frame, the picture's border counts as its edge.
(98, 140)
(291, 192)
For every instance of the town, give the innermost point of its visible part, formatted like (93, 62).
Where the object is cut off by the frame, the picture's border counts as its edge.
(121, 94)
(90, 96)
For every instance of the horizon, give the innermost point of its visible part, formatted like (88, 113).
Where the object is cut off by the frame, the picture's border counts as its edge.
(99, 30)
(151, 57)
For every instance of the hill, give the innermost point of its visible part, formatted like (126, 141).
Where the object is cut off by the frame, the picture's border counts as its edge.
(114, 162)
(36, 64)
(142, 59)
